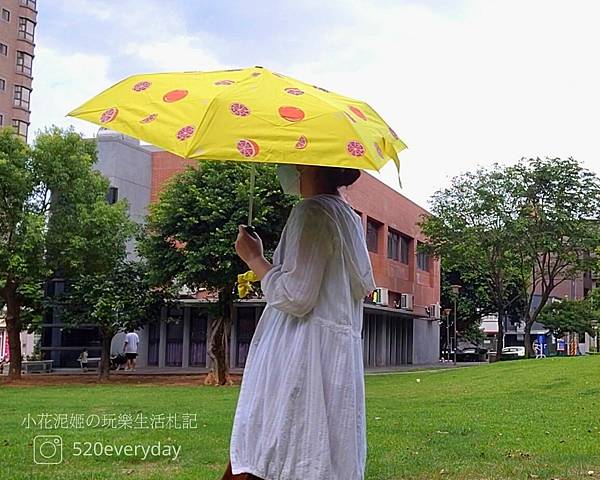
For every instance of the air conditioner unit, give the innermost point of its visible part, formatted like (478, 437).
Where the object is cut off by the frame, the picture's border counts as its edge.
(381, 296)
(406, 301)
(434, 311)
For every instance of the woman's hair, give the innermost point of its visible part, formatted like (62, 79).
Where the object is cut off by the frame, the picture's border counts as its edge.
(336, 177)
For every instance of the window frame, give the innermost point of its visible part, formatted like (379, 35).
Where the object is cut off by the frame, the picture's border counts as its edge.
(1, 119)
(3, 46)
(6, 10)
(3, 83)
(18, 101)
(405, 252)
(24, 69)
(23, 33)
(423, 256)
(393, 244)
(28, 4)
(18, 126)
(377, 225)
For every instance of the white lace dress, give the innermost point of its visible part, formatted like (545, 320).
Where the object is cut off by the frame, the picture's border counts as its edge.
(301, 410)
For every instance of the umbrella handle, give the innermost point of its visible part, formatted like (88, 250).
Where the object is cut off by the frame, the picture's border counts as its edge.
(251, 230)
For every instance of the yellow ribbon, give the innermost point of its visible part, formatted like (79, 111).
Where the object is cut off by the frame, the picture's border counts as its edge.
(245, 283)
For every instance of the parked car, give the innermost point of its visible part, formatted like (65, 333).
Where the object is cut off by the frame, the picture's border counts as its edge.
(513, 353)
(471, 354)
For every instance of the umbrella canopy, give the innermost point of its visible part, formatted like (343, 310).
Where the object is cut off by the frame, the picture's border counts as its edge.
(250, 115)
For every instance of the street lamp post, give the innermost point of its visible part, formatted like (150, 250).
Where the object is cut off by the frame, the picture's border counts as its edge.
(447, 315)
(455, 290)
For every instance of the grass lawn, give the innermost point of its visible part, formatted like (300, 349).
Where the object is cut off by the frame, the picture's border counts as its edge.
(509, 420)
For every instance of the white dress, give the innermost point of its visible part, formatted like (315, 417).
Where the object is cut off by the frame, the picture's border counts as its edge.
(301, 410)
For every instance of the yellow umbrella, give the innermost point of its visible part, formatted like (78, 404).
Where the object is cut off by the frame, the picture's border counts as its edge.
(249, 115)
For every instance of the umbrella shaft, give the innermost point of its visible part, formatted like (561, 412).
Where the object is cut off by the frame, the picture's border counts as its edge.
(251, 200)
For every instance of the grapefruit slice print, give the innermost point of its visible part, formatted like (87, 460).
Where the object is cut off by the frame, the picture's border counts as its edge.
(356, 149)
(141, 86)
(149, 118)
(301, 143)
(357, 112)
(185, 133)
(224, 82)
(109, 115)
(291, 114)
(294, 91)
(174, 95)
(239, 109)
(248, 148)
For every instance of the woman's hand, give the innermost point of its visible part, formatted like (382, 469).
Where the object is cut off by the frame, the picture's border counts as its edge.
(248, 247)
(250, 250)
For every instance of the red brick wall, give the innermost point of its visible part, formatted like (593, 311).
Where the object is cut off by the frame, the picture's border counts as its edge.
(164, 166)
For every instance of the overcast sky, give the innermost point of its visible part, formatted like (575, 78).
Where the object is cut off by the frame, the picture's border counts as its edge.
(463, 83)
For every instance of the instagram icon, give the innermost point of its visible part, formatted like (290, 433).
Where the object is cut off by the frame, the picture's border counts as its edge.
(47, 449)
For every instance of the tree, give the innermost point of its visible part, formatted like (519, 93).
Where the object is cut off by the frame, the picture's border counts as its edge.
(471, 228)
(569, 316)
(54, 220)
(558, 229)
(190, 235)
(119, 299)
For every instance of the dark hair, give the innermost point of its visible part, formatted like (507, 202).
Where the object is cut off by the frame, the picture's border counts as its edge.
(336, 177)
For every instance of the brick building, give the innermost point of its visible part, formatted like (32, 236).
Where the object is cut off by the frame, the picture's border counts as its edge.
(18, 20)
(401, 319)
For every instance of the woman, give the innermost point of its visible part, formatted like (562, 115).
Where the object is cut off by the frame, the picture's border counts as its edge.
(301, 410)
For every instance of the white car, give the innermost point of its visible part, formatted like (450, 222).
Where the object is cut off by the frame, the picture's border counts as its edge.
(513, 352)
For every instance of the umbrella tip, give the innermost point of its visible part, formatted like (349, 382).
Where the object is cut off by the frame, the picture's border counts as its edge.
(257, 66)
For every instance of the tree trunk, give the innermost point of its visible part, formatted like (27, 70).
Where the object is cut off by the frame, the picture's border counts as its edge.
(104, 370)
(529, 353)
(499, 337)
(13, 328)
(219, 339)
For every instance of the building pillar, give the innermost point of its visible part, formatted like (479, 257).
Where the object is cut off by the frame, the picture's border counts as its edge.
(233, 337)
(162, 342)
(185, 351)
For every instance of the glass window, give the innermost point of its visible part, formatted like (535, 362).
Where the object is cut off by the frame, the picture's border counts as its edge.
(404, 248)
(393, 245)
(423, 261)
(1, 120)
(24, 63)
(3, 49)
(26, 29)
(22, 95)
(29, 3)
(2, 84)
(21, 127)
(112, 195)
(372, 235)
(5, 15)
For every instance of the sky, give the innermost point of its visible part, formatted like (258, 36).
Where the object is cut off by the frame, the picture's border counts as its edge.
(464, 83)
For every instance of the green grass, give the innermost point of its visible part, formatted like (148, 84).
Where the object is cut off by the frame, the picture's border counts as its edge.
(508, 420)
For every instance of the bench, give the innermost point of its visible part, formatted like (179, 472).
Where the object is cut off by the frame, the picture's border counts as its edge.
(40, 366)
(90, 360)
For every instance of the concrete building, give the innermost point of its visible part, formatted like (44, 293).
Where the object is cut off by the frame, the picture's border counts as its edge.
(18, 19)
(401, 318)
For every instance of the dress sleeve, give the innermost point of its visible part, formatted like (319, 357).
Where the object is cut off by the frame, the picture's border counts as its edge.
(293, 285)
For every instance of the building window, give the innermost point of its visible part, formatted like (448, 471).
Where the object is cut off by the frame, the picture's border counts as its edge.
(26, 29)
(404, 248)
(113, 195)
(21, 127)
(24, 63)
(423, 261)
(372, 235)
(393, 245)
(5, 15)
(22, 95)
(1, 120)
(3, 49)
(2, 85)
(29, 3)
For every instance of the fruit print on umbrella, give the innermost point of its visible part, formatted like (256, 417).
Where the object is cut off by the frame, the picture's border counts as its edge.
(356, 149)
(248, 148)
(149, 118)
(174, 96)
(224, 82)
(357, 112)
(109, 115)
(294, 91)
(239, 109)
(141, 86)
(301, 143)
(185, 133)
(291, 114)
(393, 133)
